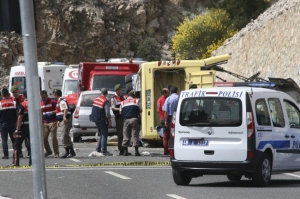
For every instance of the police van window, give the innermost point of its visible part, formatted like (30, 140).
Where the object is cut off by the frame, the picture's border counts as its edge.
(262, 113)
(293, 114)
(276, 112)
(211, 111)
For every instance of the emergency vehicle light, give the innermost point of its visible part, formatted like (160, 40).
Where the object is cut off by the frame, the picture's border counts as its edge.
(100, 60)
(246, 84)
(56, 63)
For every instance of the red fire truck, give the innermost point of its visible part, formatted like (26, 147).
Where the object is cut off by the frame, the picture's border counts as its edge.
(97, 75)
(94, 75)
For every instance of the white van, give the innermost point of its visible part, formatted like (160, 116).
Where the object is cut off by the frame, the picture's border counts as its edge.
(236, 131)
(50, 76)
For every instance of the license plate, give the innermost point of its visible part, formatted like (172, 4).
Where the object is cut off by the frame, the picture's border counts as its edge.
(195, 142)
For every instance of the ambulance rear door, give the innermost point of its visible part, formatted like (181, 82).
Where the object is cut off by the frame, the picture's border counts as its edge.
(52, 77)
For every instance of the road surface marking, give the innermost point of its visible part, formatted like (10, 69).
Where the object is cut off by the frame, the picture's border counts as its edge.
(294, 175)
(75, 160)
(4, 197)
(117, 175)
(175, 196)
(78, 168)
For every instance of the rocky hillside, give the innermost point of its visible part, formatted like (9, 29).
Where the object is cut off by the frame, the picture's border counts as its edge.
(83, 30)
(269, 44)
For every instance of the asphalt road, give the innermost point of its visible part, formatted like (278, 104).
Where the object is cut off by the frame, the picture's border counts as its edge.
(140, 182)
(88, 177)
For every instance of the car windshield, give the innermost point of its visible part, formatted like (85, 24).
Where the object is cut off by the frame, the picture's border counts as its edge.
(108, 82)
(70, 87)
(212, 111)
(87, 100)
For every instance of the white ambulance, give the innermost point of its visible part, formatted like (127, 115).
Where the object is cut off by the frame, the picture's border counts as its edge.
(69, 85)
(238, 130)
(50, 76)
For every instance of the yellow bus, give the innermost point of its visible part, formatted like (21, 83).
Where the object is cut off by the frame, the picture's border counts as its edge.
(154, 76)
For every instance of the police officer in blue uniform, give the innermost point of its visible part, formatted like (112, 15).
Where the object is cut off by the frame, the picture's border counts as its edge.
(131, 109)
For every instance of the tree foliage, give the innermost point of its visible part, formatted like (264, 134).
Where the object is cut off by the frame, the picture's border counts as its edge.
(198, 37)
(149, 50)
(241, 11)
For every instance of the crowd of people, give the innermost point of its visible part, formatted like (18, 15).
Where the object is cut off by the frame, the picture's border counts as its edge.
(14, 123)
(14, 120)
(126, 109)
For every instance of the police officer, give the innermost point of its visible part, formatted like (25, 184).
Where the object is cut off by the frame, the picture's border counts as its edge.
(63, 116)
(101, 116)
(48, 107)
(19, 98)
(8, 119)
(131, 109)
(115, 105)
(22, 131)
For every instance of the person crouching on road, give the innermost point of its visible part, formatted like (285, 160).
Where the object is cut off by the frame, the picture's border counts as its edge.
(101, 116)
(48, 107)
(131, 109)
(22, 131)
(8, 119)
(63, 116)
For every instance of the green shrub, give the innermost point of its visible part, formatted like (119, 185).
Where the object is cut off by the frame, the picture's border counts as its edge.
(198, 37)
(149, 50)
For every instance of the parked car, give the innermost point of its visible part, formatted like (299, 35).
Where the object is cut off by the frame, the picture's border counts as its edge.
(82, 126)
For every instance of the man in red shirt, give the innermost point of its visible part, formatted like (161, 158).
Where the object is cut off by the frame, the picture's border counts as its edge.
(48, 107)
(160, 103)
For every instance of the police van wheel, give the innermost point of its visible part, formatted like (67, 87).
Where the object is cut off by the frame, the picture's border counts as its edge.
(180, 178)
(234, 177)
(262, 176)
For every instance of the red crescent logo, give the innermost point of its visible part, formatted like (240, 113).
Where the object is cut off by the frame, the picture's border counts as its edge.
(49, 84)
(73, 74)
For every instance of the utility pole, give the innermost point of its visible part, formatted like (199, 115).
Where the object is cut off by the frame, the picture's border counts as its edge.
(34, 108)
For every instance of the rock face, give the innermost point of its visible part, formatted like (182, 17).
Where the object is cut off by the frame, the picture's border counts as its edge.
(84, 30)
(269, 45)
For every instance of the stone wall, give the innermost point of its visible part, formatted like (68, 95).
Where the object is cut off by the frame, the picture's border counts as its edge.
(269, 45)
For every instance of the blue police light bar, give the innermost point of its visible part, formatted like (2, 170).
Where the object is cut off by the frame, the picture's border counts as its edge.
(245, 84)
(58, 63)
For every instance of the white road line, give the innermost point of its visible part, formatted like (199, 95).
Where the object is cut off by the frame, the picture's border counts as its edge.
(175, 196)
(117, 175)
(4, 197)
(75, 160)
(87, 169)
(294, 175)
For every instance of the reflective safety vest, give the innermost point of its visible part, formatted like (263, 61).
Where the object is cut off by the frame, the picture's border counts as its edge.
(8, 111)
(47, 108)
(59, 112)
(130, 108)
(98, 111)
(116, 102)
(25, 119)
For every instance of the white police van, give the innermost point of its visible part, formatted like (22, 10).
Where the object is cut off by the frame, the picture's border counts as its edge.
(236, 131)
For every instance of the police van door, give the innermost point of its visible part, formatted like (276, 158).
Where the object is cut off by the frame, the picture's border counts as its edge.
(281, 139)
(293, 116)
